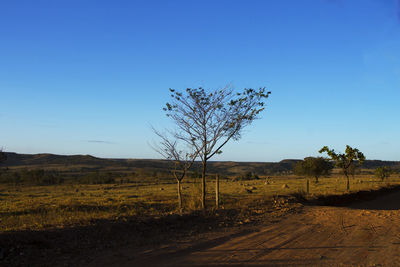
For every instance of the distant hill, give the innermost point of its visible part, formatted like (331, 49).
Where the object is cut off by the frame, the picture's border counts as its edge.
(86, 162)
(14, 159)
(224, 167)
(372, 164)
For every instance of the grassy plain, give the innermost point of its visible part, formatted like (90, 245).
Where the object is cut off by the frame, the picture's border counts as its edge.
(57, 206)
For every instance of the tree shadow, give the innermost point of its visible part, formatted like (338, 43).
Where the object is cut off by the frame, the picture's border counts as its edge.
(387, 198)
(47, 247)
(385, 202)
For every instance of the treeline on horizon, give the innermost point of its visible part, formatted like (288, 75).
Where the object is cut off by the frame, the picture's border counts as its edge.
(49, 169)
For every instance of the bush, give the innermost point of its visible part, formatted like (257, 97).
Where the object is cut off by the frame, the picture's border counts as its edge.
(383, 172)
(33, 177)
(97, 178)
(246, 176)
(10, 177)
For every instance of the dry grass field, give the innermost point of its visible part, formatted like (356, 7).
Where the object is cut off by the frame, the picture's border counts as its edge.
(58, 206)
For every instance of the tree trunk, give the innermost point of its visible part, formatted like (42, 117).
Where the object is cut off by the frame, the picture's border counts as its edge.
(348, 183)
(316, 179)
(203, 186)
(308, 186)
(179, 196)
(217, 191)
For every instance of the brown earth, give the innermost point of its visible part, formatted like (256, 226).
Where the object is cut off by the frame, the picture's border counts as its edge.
(362, 234)
(281, 232)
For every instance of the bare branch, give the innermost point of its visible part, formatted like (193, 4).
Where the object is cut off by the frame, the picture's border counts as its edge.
(206, 121)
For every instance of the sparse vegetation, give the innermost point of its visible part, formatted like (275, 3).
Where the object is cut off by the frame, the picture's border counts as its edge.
(43, 207)
(346, 160)
(31, 177)
(206, 121)
(56, 195)
(383, 172)
(115, 202)
(181, 160)
(246, 176)
(98, 178)
(313, 167)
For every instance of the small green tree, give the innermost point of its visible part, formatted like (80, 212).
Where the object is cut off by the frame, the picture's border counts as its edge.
(313, 167)
(383, 172)
(345, 160)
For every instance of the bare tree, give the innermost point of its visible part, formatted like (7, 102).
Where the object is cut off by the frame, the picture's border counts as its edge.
(208, 120)
(182, 160)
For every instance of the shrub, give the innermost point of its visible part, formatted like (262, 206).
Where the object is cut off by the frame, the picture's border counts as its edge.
(246, 176)
(33, 177)
(383, 172)
(97, 178)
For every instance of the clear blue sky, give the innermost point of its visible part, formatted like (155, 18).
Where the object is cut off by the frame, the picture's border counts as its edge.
(89, 77)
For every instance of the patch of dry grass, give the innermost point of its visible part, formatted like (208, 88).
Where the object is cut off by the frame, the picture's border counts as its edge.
(58, 206)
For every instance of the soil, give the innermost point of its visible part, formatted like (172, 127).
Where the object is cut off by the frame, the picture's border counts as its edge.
(362, 234)
(285, 233)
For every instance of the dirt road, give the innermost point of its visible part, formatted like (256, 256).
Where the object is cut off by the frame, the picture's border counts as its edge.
(366, 234)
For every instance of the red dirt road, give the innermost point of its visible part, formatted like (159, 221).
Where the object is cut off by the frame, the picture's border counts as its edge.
(366, 234)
